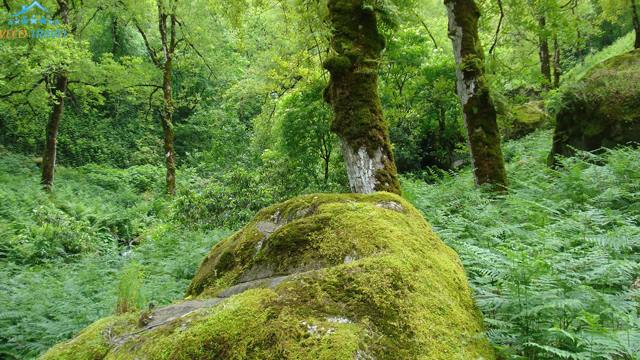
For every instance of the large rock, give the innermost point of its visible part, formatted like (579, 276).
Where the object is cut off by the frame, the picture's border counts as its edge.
(317, 277)
(522, 120)
(602, 109)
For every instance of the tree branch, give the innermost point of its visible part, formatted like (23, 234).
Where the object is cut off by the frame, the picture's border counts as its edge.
(424, 25)
(22, 91)
(150, 51)
(186, 39)
(495, 38)
(90, 20)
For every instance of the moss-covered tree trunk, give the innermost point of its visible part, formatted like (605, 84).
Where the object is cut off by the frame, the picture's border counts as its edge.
(168, 39)
(478, 108)
(167, 128)
(352, 92)
(57, 111)
(543, 51)
(59, 92)
(636, 23)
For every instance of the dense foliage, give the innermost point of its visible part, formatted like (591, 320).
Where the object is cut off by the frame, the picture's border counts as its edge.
(554, 263)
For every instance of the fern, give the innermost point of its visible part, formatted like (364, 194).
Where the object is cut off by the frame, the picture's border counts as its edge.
(553, 262)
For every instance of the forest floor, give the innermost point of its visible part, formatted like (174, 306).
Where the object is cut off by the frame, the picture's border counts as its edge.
(552, 263)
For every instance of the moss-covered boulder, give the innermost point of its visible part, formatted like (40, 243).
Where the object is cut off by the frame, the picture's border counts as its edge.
(316, 277)
(600, 110)
(522, 120)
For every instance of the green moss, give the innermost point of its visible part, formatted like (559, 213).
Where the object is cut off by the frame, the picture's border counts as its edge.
(367, 277)
(600, 110)
(522, 120)
(92, 343)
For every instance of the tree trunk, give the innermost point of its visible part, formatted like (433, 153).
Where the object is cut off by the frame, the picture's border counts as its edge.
(115, 40)
(636, 23)
(167, 127)
(478, 108)
(442, 122)
(57, 111)
(59, 92)
(557, 71)
(325, 153)
(168, 49)
(543, 51)
(352, 92)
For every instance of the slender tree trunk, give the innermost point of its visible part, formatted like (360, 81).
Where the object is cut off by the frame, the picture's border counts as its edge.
(326, 170)
(325, 153)
(115, 45)
(352, 92)
(478, 108)
(557, 71)
(168, 48)
(636, 23)
(59, 91)
(442, 121)
(167, 127)
(543, 51)
(57, 111)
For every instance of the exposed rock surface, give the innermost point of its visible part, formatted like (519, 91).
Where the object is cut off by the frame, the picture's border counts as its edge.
(600, 110)
(316, 277)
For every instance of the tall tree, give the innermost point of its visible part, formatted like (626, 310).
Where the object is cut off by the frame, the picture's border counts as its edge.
(543, 50)
(473, 91)
(636, 22)
(167, 28)
(58, 88)
(352, 92)
(557, 70)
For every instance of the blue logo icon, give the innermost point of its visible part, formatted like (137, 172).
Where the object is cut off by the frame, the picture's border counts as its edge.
(21, 18)
(26, 9)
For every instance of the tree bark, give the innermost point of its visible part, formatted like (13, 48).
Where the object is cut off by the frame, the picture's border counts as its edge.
(115, 37)
(168, 49)
(326, 156)
(478, 108)
(353, 95)
(557, 71)
(636, 23)
(543, 51)
(59, 91)
(57, 111)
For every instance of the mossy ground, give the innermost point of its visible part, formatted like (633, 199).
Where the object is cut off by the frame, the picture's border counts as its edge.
(366, 278)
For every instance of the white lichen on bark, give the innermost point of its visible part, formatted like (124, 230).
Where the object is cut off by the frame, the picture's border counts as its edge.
(362, 168)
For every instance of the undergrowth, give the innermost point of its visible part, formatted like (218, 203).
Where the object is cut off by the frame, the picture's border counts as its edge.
(66, 260)
(554, 262)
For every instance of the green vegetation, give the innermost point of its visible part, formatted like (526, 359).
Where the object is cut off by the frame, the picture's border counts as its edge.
(63, 256)
(553, 263)
(363, 275)
(600, 110)
(234, 92)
